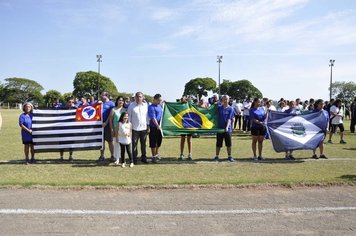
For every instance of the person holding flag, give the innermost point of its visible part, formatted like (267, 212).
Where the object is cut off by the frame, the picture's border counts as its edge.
(155, 112)
(226, 116)
(318, 106)
(25, 122)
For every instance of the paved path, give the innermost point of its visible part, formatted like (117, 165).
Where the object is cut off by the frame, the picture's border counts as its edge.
(249, 211)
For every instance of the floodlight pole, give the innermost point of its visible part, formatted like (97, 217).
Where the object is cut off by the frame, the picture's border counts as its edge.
(219, 61)
(99, 60)
(331, 77)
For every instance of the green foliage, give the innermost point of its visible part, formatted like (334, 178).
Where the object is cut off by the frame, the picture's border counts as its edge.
(240, 89)
(19, 90)
(51, 96)
(86, 83)
(199, 86)
(345, 91)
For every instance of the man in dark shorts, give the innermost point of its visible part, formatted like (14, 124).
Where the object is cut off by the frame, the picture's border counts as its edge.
(155, 112)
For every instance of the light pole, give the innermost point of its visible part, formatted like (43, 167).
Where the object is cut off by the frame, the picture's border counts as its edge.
(98, 57)
(331, 76)
(219, 61)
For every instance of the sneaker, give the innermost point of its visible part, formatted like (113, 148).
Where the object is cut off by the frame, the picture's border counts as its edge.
(117, 162)
(112, 159)
(254, 158)
(216, 158)
(315, 157)
(154, 159)
(33, 160)
(181, 157)
(286, 158)
(323, 156)
(144, 160)
(27, 161)
(231, 159)
(123, 165)
(342, 142)
(331, 142)
(70, 159)
(61, 159)
(158, 157)
(131, 165)
(291, 157)
(260, 158)
(101, 159)
(190, 157)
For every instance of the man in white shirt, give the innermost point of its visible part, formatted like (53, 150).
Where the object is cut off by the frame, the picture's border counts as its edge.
(246, 115)
(138, 116)
(238, 108)
(336, 117)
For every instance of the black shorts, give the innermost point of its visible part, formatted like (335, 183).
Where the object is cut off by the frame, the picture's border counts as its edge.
(334, 128)
(155, 137)
(107, 134)
(27, 142)
(220, 137)
(258, 130)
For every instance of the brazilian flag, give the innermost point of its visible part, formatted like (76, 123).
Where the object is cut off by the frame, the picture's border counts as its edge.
(185, 118)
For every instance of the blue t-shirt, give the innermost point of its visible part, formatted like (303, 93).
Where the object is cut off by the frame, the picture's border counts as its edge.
(258, 114)
(155, 112)
(26, 120)
(107, 106)
(225, 114)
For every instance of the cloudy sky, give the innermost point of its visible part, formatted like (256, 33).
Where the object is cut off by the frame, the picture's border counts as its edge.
(282, 46)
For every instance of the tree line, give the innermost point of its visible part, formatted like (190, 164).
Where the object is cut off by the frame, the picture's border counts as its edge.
(20, 90)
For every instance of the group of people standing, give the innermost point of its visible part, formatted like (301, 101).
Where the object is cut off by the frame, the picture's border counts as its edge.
(125, 125)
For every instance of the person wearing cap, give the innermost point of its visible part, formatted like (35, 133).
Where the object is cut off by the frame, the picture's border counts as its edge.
(226, 115)
(107, 106)
(25, 122)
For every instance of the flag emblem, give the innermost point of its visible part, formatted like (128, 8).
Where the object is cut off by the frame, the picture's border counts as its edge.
(191, 118)
(88, 113)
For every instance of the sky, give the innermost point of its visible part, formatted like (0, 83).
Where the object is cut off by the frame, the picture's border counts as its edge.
(282, 46)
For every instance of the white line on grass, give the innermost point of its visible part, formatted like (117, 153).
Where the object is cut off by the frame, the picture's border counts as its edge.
(185, 212)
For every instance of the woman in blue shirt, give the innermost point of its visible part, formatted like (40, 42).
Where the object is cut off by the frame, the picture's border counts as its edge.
(258, 130)
(25, 122)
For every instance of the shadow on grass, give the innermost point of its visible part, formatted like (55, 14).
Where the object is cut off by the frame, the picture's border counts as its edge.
(164, 161)
(348, 177)
(350, 149)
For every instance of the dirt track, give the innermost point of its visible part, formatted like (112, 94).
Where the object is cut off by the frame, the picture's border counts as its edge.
(261, 211)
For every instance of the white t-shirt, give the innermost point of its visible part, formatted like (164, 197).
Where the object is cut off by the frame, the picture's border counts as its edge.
(246, 107)
(124, 133)
(238, 107)
(338, 118)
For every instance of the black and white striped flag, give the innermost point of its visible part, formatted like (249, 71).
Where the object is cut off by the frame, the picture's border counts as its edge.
(68, 130)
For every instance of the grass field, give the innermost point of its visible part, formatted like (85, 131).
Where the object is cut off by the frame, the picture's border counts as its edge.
(84, 171)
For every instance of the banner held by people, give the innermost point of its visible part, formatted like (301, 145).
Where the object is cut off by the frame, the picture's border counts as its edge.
(186, 118)
(296, 132)
(68, 130)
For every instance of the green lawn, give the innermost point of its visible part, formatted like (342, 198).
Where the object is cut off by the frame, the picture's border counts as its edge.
(339, 168)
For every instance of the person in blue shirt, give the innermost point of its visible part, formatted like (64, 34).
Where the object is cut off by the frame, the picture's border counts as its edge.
(226, 115)
(155, 112)
(25, 122)
(258, 130)
(107, 106)
(318, 106)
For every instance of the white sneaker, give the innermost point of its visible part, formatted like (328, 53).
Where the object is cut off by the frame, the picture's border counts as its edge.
(190, 157)
(117, 162)
(123, 165)
(181, 157)
(131, 165)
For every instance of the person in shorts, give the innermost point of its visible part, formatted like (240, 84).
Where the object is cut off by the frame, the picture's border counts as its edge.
(258, 129)
(336, 117)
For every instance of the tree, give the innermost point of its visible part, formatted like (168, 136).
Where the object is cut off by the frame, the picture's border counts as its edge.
(240, 89)
(19, 90)
(51, 96)
(86, 83)
(199, 86)
(345, 91)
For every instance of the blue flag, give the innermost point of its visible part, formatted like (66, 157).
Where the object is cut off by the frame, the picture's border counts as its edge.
(296, 132)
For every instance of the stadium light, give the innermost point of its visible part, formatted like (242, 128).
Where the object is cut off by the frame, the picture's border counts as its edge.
(331, 75)
(99, 60)
(219, 61)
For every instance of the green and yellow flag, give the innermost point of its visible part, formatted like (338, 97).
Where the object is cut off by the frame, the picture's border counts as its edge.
(185, 118)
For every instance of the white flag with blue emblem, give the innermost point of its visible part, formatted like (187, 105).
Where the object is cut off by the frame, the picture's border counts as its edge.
(296, 132)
